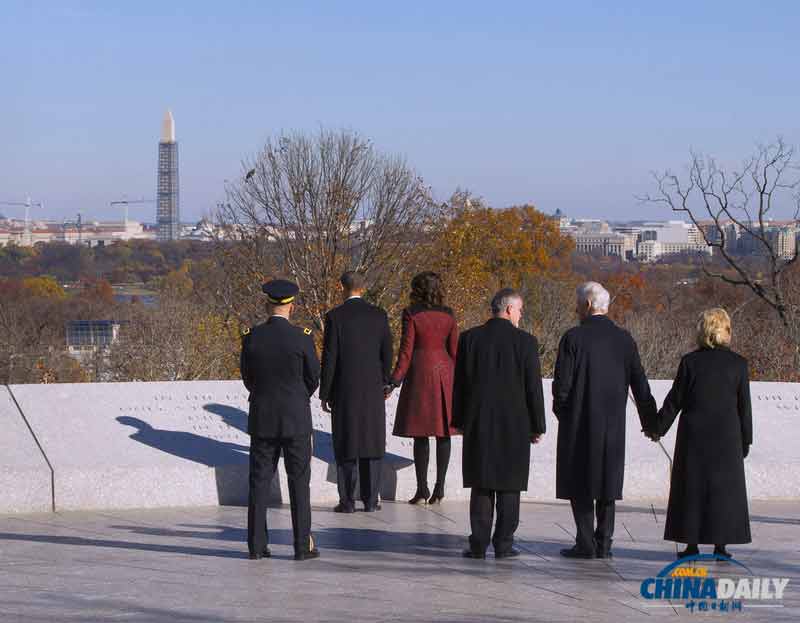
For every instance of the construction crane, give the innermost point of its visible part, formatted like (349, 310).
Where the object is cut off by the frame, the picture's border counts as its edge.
(27, 204)
(128, 202)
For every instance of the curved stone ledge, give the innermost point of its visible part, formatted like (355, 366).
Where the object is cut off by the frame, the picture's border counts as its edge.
(145, 445)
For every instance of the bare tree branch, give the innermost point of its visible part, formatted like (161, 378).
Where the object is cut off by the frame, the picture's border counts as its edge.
(327, 203)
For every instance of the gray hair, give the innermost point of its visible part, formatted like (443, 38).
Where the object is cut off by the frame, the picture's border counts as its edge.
(503, 299)
(595, 294)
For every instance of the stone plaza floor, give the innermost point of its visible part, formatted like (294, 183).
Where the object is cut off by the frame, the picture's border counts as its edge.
(400, 564)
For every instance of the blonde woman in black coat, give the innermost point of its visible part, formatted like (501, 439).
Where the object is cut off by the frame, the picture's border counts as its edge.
(708, 496)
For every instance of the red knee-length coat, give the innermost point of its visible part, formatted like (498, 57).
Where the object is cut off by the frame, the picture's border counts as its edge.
(425, 366)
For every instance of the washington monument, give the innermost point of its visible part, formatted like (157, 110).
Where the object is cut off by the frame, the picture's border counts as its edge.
(168, 206)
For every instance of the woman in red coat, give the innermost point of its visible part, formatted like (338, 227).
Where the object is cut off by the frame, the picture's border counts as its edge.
(425, 366)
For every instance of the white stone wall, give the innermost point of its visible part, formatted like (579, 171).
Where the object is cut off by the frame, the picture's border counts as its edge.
(25, 478)
(130, 445)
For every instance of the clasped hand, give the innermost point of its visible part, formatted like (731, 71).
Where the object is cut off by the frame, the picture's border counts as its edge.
(654, 437)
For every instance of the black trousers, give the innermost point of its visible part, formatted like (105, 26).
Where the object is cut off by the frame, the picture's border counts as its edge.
(481, 509)
(364, 472)
(264, 455)
(589, 538)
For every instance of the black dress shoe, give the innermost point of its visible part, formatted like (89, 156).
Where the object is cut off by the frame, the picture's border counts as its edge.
(574, 552)
(719, 550)
(420, 497)
(264, 554)
(307, 555)
(510, 553)
(341, 507)
(691, 550)
(468, 553)
(372, 508)
(602, 548)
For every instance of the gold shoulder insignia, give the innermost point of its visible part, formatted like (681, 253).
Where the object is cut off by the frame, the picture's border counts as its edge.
(245, 331)
(307, 331)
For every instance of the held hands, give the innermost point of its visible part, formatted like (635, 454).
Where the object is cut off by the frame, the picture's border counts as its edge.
(387, 391)
(326, 406)
(536, 438)
(652, 436)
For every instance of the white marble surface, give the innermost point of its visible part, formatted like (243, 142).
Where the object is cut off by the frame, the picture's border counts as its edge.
(25, 478)
(130, 445)
(402, 564)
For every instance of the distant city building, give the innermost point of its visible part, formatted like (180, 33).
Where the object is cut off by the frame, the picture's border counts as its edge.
(652, 250)
(89, 342)
(204, 231)
(168, 198)
(96, 234)
(746, 238)
(90, 234)
(657, 240)
(605, 244)
(91, 335)
(732, 233)
(780, 236)
(561, 218)
(645, 241)
(783, 241)
(672, 232)
(591, 225)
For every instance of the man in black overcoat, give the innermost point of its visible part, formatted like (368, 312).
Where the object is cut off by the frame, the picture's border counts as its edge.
(498, 405)
(356, 363)
(280, 369)
(596, 365)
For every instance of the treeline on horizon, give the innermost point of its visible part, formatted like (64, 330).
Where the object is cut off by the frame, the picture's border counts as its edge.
(296, 211)
(193, 332)
(128, 261)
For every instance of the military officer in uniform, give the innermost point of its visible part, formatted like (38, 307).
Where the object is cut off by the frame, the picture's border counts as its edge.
(281, 370)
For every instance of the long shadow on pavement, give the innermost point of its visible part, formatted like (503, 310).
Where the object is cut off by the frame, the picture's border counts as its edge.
(322, 450)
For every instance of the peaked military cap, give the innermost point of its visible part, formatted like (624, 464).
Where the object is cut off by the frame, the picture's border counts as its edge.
(280, 291)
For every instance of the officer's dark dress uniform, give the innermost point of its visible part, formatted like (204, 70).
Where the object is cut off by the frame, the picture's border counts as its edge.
(280, 368)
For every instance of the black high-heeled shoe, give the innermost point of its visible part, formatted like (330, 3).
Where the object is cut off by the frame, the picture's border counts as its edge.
(420, 497)
(437, 497)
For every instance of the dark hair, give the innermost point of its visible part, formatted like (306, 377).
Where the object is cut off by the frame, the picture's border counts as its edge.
(353, 281)
(503, 299)
(427, 290)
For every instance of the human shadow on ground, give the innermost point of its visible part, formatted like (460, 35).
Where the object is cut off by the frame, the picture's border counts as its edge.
(775, 520)
(322, 450)
(333, 538)
(424, 544)
(54, 539)
(229, 460)
(539, 556)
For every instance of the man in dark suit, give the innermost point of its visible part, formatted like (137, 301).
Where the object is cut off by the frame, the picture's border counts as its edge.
(597, 363)
(498, 404)
(280, 369)
(356, 363)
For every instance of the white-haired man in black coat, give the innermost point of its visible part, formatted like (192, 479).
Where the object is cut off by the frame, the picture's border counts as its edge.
(597, 363)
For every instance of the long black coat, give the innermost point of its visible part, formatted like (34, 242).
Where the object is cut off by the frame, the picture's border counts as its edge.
(499, 404)
(356, 362)
(280, 369)
(597, 363)
(707, 494)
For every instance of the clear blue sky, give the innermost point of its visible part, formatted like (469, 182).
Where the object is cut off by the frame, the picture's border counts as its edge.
(567, 105)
